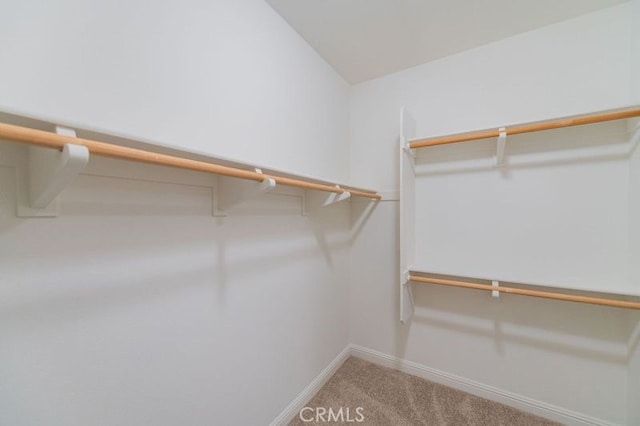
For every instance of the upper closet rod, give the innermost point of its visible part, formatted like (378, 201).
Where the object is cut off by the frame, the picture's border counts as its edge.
(526, 128)
(534, 293)
(55, 141)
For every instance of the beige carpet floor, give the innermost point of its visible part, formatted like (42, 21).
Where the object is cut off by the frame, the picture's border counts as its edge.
(390, 397)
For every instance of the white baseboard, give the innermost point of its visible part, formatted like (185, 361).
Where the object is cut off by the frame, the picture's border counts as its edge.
(529, 405)
(519, 402)
(298, 404)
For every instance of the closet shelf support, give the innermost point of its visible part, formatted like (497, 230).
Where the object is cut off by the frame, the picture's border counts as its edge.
(495, 293)
(335, 197)
(45, 173)
(500, 145)
(52, 171)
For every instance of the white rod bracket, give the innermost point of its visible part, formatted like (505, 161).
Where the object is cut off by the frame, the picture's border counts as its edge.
(315, 201)
(502, 138)
(407, 148)
(407, 306)
(47, 173)
(336, 197)
(232, 191)
(266, 185)
(495, 293)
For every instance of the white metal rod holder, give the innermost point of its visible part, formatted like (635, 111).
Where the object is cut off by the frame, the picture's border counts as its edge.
(502, 138)
(50, 171)
(495, 293)
(336, 198)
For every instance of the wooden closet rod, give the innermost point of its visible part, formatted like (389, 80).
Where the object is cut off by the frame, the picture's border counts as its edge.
(526, 128)
(534, 293)
(55, 141)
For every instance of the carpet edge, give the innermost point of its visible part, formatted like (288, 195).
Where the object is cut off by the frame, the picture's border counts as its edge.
(520, 402)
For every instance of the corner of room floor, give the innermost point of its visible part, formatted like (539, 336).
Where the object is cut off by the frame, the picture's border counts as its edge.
(370, 394)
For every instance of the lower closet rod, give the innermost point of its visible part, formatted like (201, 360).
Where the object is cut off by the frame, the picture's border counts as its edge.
(55, 141)
(534, 293)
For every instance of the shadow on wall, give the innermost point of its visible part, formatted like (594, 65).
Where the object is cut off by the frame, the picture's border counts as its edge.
(634, 335)
(361, 211)
(81, 262)
(579, 330)
(116, 280)
(51, 303)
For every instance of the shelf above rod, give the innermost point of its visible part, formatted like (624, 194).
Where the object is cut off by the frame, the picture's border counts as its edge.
(527, 128)
(55, 141)
(534, 293)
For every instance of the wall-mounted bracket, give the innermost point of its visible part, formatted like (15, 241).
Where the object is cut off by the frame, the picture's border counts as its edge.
(231, 192)
(335, 197)
(404, 142)
(45, 173)
(316, 200)
(406, 297)
(502, 138)
(409, 151)
(495, 293)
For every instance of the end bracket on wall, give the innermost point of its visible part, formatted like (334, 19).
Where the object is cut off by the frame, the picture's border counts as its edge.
(44, 173)
(232, 191)
(406, 297)
(335, 197)
(500, 145)
(495, 293)
(315, 200)
(405, 144)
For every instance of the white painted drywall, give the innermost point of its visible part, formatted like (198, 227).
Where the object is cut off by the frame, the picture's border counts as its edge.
(567, 355)
(635, 51)
(556, 214)
(229, 78)
(633, 376)
(136, 306)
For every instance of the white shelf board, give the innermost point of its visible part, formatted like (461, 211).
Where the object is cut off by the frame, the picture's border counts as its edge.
(47, 124)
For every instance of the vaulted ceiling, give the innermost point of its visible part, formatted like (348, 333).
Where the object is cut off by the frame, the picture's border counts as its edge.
(364, 39)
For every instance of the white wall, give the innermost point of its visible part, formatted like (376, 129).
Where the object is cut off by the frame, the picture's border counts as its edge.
(567, 355)
(136, 306)
(535, 220)
(635, 51)
(633, 393)
(229, 78)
